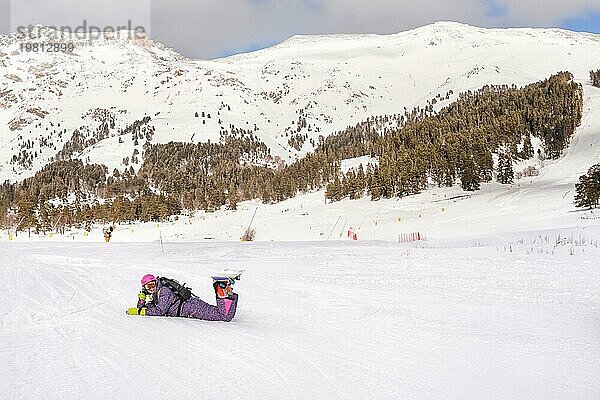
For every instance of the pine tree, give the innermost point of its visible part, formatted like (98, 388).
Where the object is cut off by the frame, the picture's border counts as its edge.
(334, 190)
(469, 176)
(527, 151)
(588, 189)
(505, 173)
(375, 184)
(26, 212)
(232, 197)
(44, 217)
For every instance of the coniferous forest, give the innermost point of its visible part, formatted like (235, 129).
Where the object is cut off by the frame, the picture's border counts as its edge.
(415, 149)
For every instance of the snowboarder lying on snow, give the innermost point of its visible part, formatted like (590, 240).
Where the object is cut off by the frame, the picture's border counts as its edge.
(166, 297)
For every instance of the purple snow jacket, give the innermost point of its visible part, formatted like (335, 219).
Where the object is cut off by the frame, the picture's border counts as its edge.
(166, 303)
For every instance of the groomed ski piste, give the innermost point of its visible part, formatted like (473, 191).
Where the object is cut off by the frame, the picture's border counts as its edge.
(501, 301)
(316, 320)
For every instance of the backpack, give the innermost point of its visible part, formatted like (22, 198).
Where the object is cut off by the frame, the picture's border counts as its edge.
(183, 293)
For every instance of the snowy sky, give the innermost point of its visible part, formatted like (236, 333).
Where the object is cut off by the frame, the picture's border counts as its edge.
(214, 28)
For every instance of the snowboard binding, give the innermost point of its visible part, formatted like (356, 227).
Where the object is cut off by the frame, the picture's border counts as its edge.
(223, 289)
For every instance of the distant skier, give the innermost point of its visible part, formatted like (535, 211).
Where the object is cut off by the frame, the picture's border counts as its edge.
(108, 233)
(165, 297)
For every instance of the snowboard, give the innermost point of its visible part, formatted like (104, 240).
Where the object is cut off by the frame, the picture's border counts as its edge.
(228, 275)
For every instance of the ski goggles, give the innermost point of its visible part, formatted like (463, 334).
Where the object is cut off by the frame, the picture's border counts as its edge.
(150, 285)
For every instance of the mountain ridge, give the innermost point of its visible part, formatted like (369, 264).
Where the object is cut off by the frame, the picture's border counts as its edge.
(303, 88)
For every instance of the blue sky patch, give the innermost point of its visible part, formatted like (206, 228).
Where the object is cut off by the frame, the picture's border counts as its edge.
(587, 23)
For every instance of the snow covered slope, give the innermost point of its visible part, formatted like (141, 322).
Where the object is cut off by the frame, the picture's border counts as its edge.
(532, 203)
(336, 321)
(307, 85)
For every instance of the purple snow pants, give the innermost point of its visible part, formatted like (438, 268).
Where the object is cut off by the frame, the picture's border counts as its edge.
(223, 311)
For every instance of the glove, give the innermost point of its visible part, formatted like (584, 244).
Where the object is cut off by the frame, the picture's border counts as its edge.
(145, 296)
(141, 300)
(136, 311)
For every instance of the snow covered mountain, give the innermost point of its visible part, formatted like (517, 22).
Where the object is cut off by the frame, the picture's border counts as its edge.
(304, 87)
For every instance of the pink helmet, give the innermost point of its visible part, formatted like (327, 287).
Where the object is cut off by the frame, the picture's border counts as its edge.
(148, 278)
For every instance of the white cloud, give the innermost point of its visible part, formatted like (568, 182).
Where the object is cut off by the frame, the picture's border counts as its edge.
(210, 27)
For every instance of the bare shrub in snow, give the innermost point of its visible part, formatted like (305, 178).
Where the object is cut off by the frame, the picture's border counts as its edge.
(249, 235)
(528, 172)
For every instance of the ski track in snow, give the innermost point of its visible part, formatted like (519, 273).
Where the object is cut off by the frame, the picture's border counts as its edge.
(334, 320)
